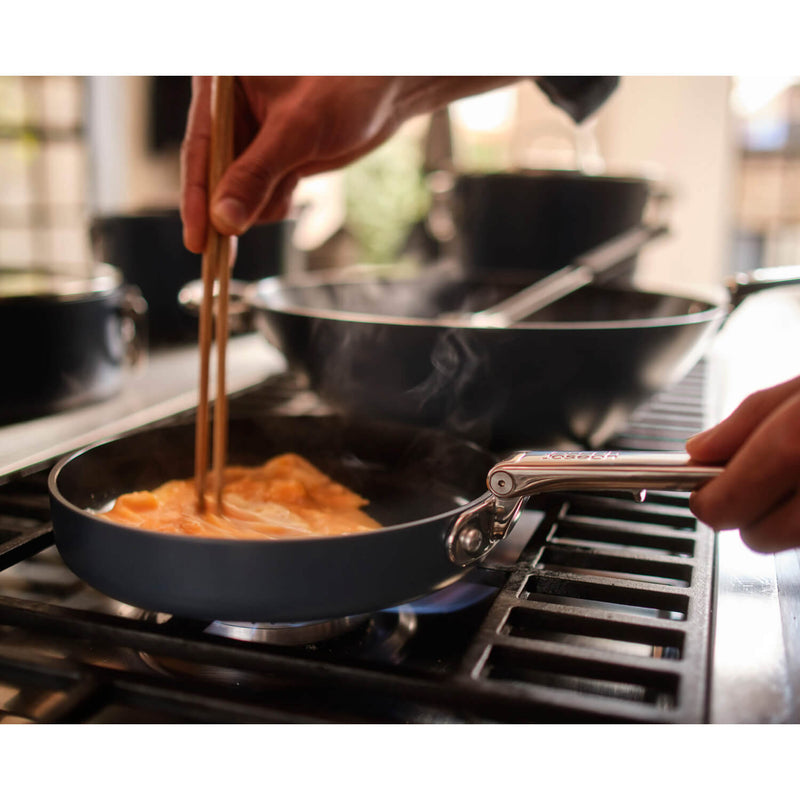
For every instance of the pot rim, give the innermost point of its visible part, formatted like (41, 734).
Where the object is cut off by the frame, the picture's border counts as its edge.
(58, 286)
(567, 174)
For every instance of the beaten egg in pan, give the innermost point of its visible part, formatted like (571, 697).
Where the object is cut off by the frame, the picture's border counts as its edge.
(287, 496)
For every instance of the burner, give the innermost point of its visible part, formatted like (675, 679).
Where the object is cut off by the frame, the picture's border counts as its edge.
(288, 633)
(375, 637)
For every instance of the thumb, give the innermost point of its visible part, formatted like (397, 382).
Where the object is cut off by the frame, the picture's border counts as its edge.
(718, 444)
(249, 184)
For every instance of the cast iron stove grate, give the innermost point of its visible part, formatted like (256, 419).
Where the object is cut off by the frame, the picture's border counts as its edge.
(603, 615)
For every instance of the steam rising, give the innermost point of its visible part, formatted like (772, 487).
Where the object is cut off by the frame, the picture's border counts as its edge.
(417, 374)
(459, 368)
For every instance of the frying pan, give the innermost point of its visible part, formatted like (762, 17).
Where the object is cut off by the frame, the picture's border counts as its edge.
(427, 489)
(386, 349)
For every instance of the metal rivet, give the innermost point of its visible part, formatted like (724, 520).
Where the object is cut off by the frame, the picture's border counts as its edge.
(501, 483)
(471, 540)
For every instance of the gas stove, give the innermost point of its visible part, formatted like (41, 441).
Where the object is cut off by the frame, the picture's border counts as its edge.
(597, 608)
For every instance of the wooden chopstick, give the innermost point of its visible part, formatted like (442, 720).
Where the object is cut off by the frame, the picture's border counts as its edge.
(221, 403)
(215, 268)
(202, 423)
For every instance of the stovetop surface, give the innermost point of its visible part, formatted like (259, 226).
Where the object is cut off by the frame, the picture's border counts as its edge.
(595, 608)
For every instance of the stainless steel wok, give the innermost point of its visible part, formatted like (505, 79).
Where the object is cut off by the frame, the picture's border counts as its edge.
(572, 373)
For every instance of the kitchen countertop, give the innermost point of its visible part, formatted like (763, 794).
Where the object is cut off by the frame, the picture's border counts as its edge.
(165, 385)
(756, 669)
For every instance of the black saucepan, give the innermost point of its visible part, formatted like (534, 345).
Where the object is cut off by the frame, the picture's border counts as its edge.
(566, 213)
(573, 372)
(428, 489)
(147, 247)
(67, 339)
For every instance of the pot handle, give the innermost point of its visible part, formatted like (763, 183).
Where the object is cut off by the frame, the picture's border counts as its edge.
(531, 473)
(133, 317)
(743, 284)
(239, 310)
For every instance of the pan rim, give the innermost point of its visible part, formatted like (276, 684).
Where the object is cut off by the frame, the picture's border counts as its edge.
(211, 541)
(258, 300)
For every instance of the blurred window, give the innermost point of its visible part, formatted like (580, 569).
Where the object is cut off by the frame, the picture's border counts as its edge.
(43, 172)
(767, 115)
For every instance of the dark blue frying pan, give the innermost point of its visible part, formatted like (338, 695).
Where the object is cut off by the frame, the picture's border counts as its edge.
(427, 488)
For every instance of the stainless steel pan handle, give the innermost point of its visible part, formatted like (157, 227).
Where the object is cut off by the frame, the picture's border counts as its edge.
(531, 473)
(588, 268)
(742, 285)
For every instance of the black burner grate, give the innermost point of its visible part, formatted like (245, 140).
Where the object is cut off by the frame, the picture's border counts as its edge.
(609, 617)
(603, 616)
(607, 614)
(25, 526)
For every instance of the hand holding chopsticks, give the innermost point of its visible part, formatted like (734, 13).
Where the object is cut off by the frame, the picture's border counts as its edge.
(216, 259)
